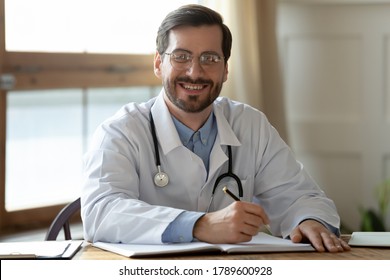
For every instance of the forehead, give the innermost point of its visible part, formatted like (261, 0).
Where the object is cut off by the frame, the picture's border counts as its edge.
(196, 39)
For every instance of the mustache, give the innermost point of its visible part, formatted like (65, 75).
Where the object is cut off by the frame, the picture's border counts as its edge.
(191, 81)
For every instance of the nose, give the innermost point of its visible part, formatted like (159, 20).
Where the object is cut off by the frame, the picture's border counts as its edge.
(195, 68)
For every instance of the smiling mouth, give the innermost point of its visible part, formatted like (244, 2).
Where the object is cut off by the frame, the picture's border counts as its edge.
(192, 87)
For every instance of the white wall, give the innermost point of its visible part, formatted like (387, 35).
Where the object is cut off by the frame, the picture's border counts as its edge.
(336, 67)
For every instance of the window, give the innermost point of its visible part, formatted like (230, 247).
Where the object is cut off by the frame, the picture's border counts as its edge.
(93, 26)
(74, 63)
(48, 147)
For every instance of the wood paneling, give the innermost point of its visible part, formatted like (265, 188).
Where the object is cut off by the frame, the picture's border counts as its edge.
(62, 70)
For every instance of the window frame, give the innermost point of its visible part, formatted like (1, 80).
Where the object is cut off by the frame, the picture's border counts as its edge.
(40, 70)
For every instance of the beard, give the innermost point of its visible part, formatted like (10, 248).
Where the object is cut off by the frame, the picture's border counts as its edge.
(193, 103)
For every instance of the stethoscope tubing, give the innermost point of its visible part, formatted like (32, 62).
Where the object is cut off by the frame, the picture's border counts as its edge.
(155, 142)
(229, 174)
(161, 179)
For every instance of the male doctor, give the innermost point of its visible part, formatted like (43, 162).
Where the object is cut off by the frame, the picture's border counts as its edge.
(151, 171)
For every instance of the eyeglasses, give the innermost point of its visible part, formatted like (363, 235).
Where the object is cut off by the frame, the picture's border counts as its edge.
(181, 60)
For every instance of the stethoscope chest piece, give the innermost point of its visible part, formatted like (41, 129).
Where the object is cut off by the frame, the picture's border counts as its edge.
(161, 179)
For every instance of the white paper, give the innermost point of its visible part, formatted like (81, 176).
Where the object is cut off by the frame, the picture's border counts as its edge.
(259, 243)
(371, 239)
(39, 249)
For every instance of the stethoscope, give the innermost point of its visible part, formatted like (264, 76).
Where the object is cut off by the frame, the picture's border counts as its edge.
(161, 179)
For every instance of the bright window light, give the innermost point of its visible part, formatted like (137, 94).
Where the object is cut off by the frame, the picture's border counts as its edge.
(94, 26)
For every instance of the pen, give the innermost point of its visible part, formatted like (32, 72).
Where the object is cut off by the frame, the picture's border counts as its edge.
(229, 193)
(226, 190)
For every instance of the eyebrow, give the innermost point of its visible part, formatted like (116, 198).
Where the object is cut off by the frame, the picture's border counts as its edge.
(181, 50)
(190, 52)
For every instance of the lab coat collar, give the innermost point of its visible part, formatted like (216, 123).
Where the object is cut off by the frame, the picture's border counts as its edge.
(225, 131)
(165, 128)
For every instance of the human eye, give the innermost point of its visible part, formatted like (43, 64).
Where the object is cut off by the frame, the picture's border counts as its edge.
(181, 57)
(209, 58)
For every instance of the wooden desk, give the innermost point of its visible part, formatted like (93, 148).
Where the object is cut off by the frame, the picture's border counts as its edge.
(92, 253)
(89, 252)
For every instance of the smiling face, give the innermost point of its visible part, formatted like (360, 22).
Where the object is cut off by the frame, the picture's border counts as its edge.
(193, 89)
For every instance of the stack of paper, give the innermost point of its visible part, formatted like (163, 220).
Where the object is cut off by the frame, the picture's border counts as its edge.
(370, 239)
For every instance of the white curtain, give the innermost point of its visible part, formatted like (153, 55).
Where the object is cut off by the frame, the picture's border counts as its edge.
(254, 72)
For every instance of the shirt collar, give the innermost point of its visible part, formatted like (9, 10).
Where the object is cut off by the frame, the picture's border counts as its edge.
(186, 133)
(165, 127)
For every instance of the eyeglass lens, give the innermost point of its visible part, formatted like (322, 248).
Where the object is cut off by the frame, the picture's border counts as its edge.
(183, 60)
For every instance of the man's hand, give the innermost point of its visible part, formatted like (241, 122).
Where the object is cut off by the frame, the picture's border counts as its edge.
(319, 236)
(236, 223)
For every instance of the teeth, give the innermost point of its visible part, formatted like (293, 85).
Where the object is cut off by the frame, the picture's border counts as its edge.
(195, 87)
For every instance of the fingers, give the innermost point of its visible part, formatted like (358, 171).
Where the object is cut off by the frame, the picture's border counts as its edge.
(236, 223)
(250, 217)
(296, 235)
(321, 238)
(245, 220)
(334, 244)
(326, 241)
(255, 214)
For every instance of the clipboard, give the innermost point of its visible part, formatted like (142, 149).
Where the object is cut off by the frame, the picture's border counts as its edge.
(49, 250)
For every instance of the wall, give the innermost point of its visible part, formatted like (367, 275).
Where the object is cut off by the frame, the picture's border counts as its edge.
(336, 67)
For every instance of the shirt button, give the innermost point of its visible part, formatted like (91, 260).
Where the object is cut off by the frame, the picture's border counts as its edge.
(181, 238)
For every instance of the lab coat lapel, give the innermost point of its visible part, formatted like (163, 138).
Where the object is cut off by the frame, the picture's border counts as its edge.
(225, 132)
(166, 132)
(225, 137)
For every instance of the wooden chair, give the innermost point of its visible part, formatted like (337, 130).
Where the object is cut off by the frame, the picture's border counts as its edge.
(61, 221)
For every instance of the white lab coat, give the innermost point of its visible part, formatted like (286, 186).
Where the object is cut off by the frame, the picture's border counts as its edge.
(120, 202)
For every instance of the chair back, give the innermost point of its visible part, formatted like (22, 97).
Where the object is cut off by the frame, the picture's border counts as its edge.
(61, 221)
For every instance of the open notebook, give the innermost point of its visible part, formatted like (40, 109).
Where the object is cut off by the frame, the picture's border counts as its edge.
(259, 243)
(40, 249)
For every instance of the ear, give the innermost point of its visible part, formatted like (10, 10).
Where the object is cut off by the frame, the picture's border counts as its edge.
(157, 65)
(226, 72)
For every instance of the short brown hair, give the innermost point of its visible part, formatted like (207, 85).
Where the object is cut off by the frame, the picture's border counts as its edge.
(193, 15)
